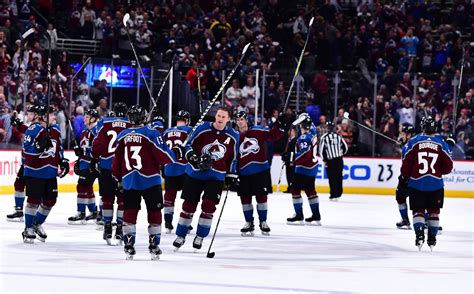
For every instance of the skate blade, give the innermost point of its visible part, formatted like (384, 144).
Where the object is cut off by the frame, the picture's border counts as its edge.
(431, 248)
(419, 247)
(168, 231)
(314, 223)
(155, 257)
(118, 242)
(297, 223)
(248, 234)
(15, 220)
(129, 257)
(77, 223)
(28, 240)
(110, 242)
(334, 199)
(266, 233)
(176, 249)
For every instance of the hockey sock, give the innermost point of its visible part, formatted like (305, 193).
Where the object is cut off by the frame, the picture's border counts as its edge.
(155, 230)
(120, 209)
(82, 197)
(418, 220)
(30, 214)
(91, 204)
(42, 214)
(247, 207)
(168, 205)
(262, 207)
(313, 200)
(298, 203)
(19, 198)
(433, 221)
(208, 208)
(129, 232)
(101, 206)
(185, 218)
(403, 210)
(108, 208)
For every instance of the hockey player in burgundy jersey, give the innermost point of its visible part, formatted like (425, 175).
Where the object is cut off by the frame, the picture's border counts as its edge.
(212, 155)
(401, 193)
(19, 184)
(254, 170)
(136, 165)
(157, 121)
(425, 159)
(85, 190)
(103, 149)
(42, 155)
(305, 161)
(174, 173)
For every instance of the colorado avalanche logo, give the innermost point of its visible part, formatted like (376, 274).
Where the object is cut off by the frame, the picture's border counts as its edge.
(216, 149)
(248, 146)
(51, 152)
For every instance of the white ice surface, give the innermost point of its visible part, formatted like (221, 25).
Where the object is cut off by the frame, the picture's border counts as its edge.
(358, 249)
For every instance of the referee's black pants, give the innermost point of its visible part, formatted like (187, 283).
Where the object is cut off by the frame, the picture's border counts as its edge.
(334, 169)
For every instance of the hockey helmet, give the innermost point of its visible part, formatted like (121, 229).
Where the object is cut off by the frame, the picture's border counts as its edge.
(156, 115)
(304, 120)
(137, 114)
(331, 126)
(428, 124)
(184, 116)
(93, 113)
(241, 114)
(408, 129)
(120, 109)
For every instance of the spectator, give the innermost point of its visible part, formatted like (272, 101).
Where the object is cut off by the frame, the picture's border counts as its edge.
(78, 124)
(233, 94)
(5, 121)
(314, 111)
(345, 130)
(102, 108)
(221, 28)
(411, 43)
(95, 93)
(406, 113)
(53, 36)
(251, 92)
(40, 96)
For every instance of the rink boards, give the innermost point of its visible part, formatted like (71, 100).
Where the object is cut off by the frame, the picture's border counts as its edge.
(378, 176)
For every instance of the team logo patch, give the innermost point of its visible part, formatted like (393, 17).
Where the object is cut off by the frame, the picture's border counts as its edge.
(215, 149)
(248, 146)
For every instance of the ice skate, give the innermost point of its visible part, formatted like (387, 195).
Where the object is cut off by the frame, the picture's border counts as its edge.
(99, 222)
(119, 234)
(28, 235)
(154, 249)
(39, 231)
(264, 228)
(297, 220)
(334, 199)
(404, 224)
(420, 238)
(248, 229)
(78, 219)
(92, 216)
(169, 227)
(129, 252)
(440, 230)
(178, 242)
(197, 243)
(315, 220)
(108, 233)
(16, 216)
(431, 240)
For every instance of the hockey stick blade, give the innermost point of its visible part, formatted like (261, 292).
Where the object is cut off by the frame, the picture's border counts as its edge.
(346, 116)
(27, 33)
(211, 254)
(125, 19)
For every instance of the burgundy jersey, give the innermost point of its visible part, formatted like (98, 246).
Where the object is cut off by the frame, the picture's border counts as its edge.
(252, 152)
(104, 144)
(222, 146)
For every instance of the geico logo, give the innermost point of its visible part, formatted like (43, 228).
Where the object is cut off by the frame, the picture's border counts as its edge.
(353, 172)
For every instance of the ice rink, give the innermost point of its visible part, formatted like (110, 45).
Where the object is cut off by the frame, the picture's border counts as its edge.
(357, 249)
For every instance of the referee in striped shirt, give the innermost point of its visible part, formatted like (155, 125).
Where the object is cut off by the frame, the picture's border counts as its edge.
(332, 148)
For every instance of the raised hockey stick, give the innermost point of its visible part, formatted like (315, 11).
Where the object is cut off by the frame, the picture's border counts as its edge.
(209, 253)
(217, 94)
(298, 65)
(346, 116)
(456, 99)
(161, 90)
(125, 19)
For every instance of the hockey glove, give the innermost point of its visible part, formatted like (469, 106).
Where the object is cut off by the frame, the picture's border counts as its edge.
(78, 151)
(94, 168)
(179, 151)
(64, 167)
(16, 121)
(43, 144)
(205, 162)
(232, 180)
(193, 159)
(287, 157)
(77, 169)
(282, 121)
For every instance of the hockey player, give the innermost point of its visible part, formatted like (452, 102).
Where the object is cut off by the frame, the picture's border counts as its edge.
(103, 148)
(305, 161)
(402, 190)
(19, 184)
(85, 189)
(254, 170)
(136, 166)
(157, 121)
(212, 153)
(174, 173)
(425, 159)
(43, 153)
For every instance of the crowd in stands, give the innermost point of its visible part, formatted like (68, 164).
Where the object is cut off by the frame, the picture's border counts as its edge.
(396, 41)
